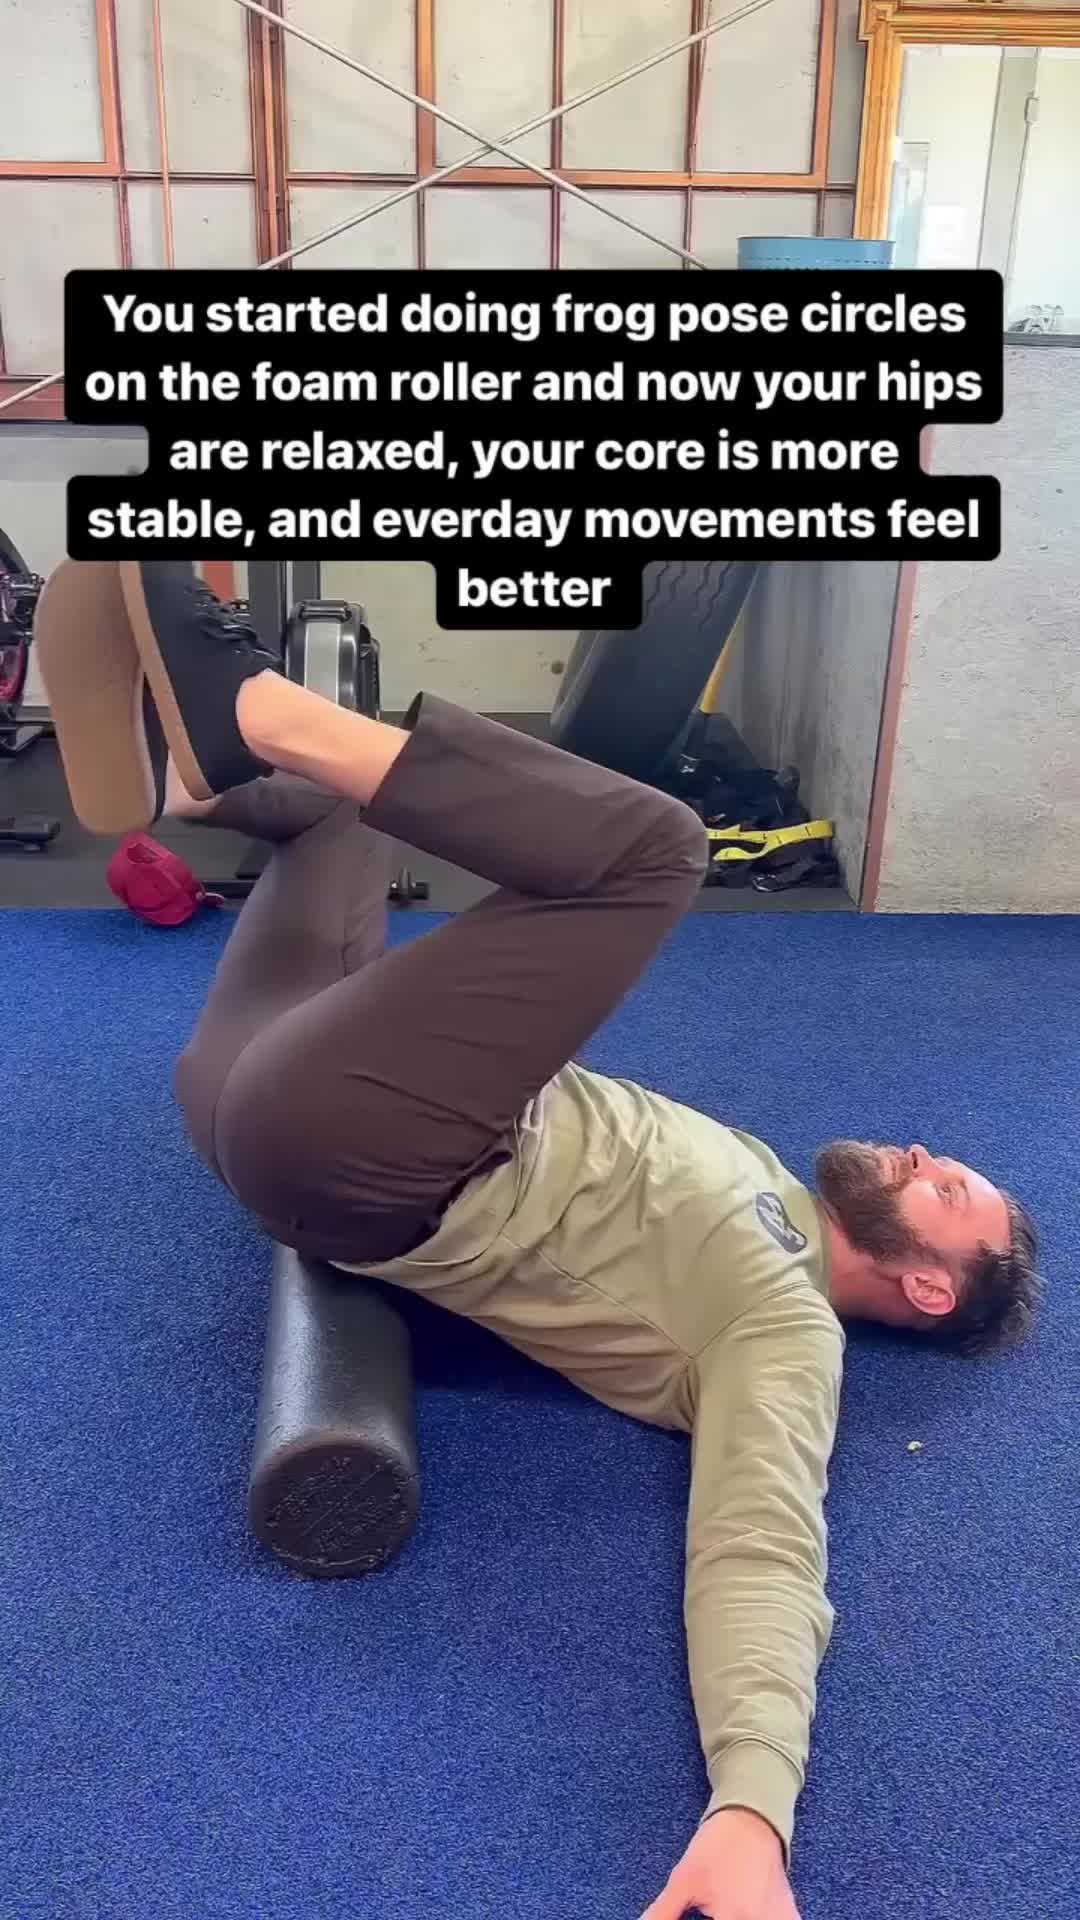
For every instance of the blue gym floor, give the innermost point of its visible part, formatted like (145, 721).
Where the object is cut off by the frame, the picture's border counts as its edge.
(498, 1725)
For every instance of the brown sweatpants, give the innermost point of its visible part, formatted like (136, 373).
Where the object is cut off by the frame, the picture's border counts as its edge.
(346, 1093)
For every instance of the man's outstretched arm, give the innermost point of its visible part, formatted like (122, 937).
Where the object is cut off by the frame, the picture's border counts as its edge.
(766, 1397)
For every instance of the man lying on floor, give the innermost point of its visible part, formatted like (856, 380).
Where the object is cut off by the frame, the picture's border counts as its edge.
(417, 1115)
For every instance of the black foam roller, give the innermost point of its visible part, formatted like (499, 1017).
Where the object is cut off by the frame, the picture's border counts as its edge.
(334, 1487)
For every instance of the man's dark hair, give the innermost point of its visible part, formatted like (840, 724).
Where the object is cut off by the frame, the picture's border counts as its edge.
(998, 1293)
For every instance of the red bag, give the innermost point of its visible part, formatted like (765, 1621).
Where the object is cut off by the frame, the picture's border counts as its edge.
(155, 883)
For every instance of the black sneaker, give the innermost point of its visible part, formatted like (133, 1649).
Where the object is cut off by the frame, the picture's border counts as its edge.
(196, 653)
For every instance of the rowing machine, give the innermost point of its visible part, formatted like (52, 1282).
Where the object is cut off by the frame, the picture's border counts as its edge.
(329, 649)
(19, 592)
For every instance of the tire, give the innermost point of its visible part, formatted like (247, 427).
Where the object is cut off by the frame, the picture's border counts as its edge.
(11, 560)
(625, 698)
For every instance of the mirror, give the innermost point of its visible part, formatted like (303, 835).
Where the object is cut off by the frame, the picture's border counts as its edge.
(986, 172)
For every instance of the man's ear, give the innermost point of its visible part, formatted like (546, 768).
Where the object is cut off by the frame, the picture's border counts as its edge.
(933, 1291)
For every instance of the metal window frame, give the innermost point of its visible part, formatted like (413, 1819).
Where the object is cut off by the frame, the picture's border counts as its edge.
(271, 178)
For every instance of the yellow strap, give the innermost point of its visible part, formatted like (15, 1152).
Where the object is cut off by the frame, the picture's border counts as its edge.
(757, 841)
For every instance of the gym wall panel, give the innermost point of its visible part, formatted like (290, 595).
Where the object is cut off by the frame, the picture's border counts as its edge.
(838, 216)
(490, 672)
(48, 227)
(758, 92)
(51, 108)
(720, 219)
(389, 240)
(493, 68)
(488, 227)
(338, 122)
(213, 224)
(848, 73)
(589, 239)
(204, 49)
(641, 124)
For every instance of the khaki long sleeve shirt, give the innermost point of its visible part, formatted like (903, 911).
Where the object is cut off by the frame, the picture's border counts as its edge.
(675, 1270)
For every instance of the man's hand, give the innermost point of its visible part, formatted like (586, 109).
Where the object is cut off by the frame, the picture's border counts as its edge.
(733, 1869)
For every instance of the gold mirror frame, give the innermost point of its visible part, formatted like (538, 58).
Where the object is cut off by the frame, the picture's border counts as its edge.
(888, 26)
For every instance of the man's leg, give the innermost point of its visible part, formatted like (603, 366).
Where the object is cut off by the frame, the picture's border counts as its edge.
(349, 1121)
(316, 913)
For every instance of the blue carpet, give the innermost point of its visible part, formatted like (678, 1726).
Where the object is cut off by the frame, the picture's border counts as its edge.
(499, 1724)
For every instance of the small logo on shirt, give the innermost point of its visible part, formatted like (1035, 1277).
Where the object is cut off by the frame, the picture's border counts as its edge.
(774, 1219)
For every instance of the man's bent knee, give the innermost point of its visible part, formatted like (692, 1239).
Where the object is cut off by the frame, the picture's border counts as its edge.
(676, 842)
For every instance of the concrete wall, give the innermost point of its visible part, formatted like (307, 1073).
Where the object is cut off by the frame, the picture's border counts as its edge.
(985, 803)
(806, 683)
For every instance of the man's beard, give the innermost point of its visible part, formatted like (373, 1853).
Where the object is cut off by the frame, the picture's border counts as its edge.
(865, 1203)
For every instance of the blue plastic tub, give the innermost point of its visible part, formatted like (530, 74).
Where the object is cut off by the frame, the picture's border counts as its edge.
(795, 250)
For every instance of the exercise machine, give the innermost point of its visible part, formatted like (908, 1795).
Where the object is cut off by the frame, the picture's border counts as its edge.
(326, 646)
(628, 699)
(329, 649)
(19, 590)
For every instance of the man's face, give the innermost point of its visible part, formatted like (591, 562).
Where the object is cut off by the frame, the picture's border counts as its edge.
(897, 1204)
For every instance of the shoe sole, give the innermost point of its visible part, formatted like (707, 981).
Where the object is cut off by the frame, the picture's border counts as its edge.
(94, 679)
(157, 673)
